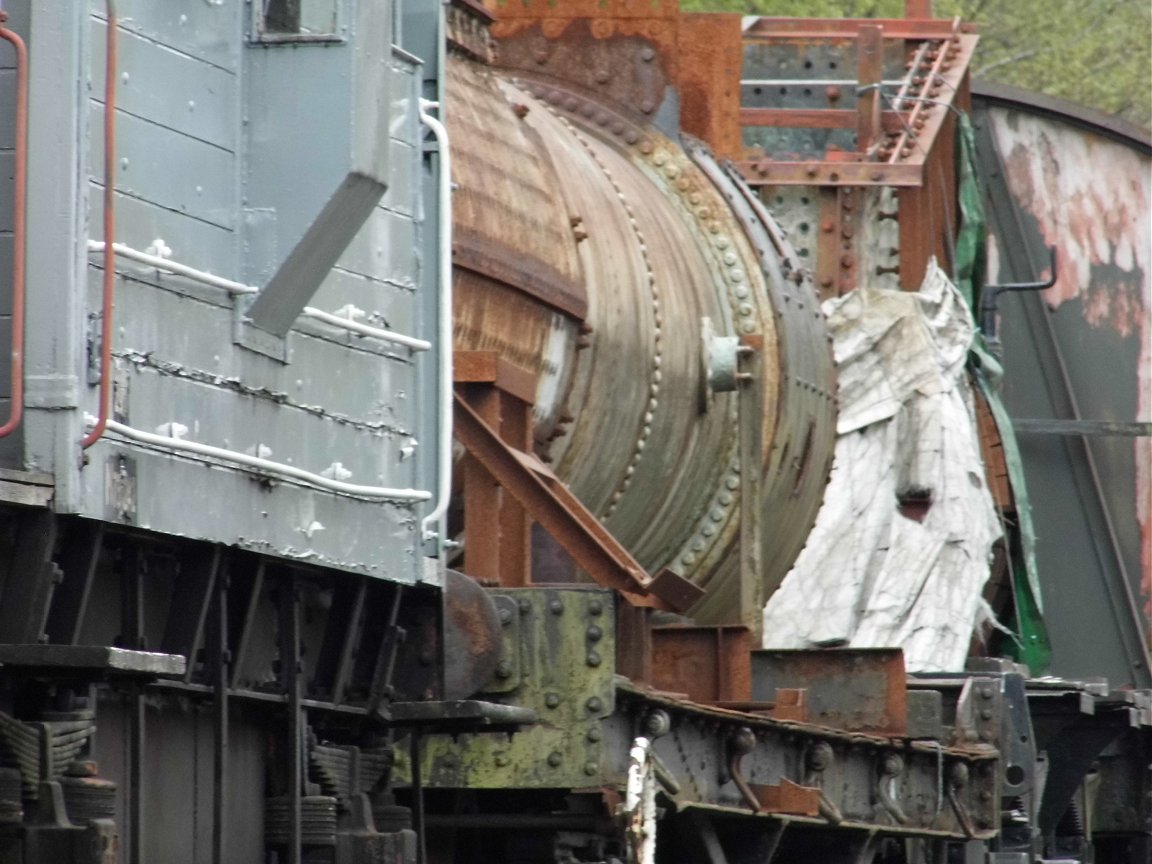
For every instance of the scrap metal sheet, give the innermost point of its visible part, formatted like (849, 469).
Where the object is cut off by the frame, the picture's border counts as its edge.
(871, 576)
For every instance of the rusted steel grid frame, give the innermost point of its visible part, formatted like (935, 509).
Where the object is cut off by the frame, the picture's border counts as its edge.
(869, 76)
(556, 509)
(767, 28)
(765, 172)
(812, 118)
(934, 119)
(896, 171)
(725, 650)
(918, 60)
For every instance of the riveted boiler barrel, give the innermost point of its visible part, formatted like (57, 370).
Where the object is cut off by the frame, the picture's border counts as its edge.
(596, 252)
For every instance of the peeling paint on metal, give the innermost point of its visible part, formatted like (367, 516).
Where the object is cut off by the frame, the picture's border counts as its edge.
(1090, 198)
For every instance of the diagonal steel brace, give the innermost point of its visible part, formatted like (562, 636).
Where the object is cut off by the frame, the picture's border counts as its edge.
(570, 523)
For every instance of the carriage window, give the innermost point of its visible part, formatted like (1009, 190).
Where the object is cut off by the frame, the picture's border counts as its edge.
(297, 20)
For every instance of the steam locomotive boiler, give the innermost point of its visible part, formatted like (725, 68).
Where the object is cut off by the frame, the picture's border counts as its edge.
(630, 275)
(411, 411)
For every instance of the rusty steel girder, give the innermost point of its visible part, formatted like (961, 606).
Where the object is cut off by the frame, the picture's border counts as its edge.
(759, 767)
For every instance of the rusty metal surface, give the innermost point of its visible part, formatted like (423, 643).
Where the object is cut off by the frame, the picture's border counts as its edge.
(807, 83)
(787, 797)
(638, 436)
(843, 104)
(653, 269)
(800, 413)
(1006, 97)
(846, 28)
(557, 510)
(708, 82)
(660, 250)
(494, 317)
(856, 690)
(707, 664)
(471, 636)
(598, 9)
(1080, 351)
(628, 63)
(505, 224)
(845, 769)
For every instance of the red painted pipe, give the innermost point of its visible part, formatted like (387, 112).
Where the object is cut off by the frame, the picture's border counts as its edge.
(109, 292)
(19, 218)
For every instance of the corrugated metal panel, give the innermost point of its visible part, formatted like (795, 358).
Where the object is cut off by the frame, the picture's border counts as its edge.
(206, 30)
(168, 168)
(193, 242)
(338, 398)
(198, 99)
(385, 247)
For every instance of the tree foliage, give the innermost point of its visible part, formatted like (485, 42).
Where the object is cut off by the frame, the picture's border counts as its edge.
(1094, 52)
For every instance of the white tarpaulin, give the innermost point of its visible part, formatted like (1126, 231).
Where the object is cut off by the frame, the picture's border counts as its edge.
(870, 576)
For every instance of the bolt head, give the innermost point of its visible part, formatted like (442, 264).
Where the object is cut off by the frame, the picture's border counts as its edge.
(657, 723)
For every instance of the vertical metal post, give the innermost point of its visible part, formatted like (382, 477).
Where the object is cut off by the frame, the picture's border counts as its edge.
(136, 786)
(750, 403)
(351, 640)
(132, 603)
(246, 627)
(219, 631)
(515, 524)
(79, 559)
(498, 530)
(417, 796)
(290, 681)
(482, 496)
(190, 604)
(132, 627)
(869, 74)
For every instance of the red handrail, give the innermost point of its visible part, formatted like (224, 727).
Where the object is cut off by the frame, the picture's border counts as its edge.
(109, 292)
(19, 219)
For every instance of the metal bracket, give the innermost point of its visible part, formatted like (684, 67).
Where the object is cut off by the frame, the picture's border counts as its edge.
(248, 335)
(990, 298)
(562, 515)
